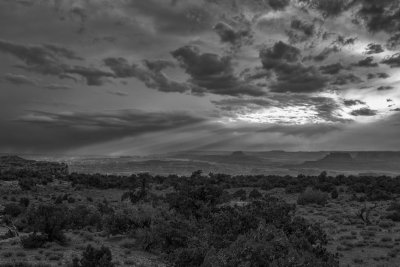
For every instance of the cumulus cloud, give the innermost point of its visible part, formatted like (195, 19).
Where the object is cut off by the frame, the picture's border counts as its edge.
(300, 31)
(393, 61)
(380, 75)
(211, 73)
(292, 76)
(353, 102)
(385, 88)
(235, 36)
(150, 74)
(326, 53)
(343, 79)
(374, 49)
(364, 112)
(332, 68)
(367, 62)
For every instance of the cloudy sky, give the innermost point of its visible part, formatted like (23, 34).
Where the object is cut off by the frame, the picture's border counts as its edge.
(120, 77)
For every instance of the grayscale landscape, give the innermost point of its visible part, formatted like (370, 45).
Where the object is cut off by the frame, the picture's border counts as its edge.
(199, 133)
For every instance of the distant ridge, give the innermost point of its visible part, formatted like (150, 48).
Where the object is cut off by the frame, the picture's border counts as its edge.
(15, 163)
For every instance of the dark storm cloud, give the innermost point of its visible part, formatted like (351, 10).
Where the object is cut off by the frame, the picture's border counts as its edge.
(332, 68)
(367, 62)
(292, 76)
(93, 76)
(379, 15)
(353, 102)
(56, 131)
(364, 112)
(342, 41)
(393, 42)
(278, 4)
(237, 36)
(380, 75)
(19, 79)
(374, 49)
(393, 61)
(49, 59)
(326, 53)
(151, 74)
(40, 58)
(343, 79)
(54, 86)
(182, 18)
(328, 8)
(211, 73)
(300, 31)
(384, 88)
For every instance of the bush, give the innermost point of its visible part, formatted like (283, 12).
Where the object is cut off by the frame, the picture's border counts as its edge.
(241, 194)
(24, 201)
(255, 194)
(12, 210)
(334, 193)
(49, 220)
(310, 196)
(93, 257)
(82, 216)
(378, 195)
(33, 241)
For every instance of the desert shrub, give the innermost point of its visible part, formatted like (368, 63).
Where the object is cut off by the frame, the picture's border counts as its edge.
(378, 195)
(241, 194)
(58, 200)
(255, 194)
(33, 241)
(294, 188)
(82, 216)
(395, 214)
(23, 201)
(358, 187)
(325, 186)
(12, 209)
(49, 220)
(93, 257)
(117, 223)
(263, 233)
(334, 193)
(194, 200)
(128, 220)
(310, 196)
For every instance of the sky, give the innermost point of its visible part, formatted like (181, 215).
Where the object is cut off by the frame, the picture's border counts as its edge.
(135, 77)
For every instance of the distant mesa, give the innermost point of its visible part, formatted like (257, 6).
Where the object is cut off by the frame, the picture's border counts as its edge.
(238, 154)
(15, 163)
(331, 161)
(338, 156)
(378, 155)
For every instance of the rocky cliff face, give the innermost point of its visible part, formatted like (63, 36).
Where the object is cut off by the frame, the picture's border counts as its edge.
(18, 163)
